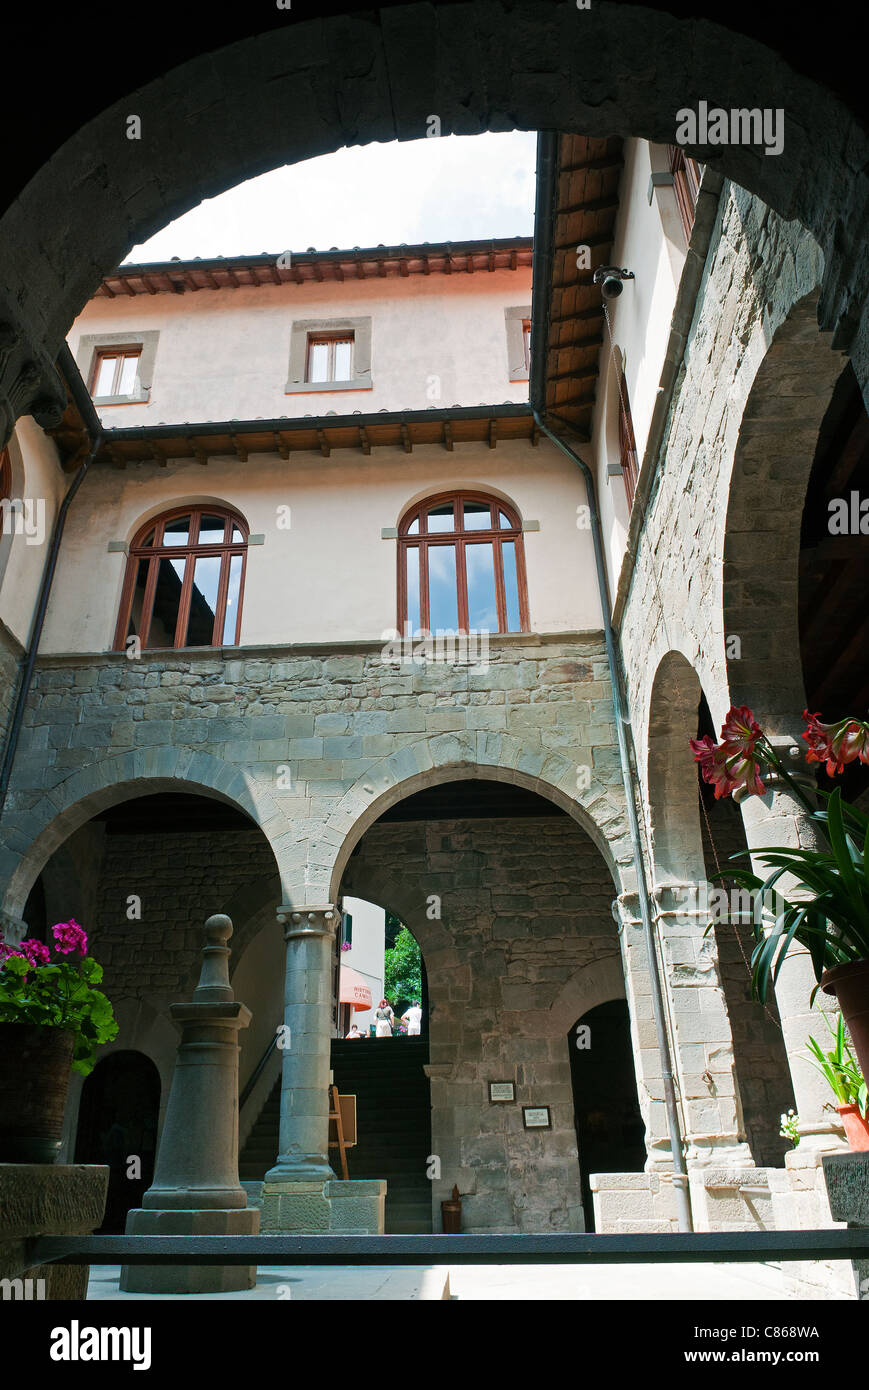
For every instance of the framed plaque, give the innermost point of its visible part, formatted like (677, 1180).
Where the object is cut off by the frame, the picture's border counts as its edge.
(536, 1117)
(501, 1091)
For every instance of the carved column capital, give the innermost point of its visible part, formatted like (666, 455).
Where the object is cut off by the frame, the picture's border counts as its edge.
(308, 921)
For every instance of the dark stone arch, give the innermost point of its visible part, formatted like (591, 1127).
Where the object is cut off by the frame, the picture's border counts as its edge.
(772, 464)
(316, 85)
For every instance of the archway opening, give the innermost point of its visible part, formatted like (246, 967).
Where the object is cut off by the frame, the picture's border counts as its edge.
(610, 1133)
(117, 1126)
(510, 902)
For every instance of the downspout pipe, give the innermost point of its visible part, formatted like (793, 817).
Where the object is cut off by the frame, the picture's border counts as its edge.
(680, 1172)
(83, 402)
(547, 176)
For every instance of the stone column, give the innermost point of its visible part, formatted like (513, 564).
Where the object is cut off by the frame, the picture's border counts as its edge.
(196, 1190)
(304, 1127)
(301, 1193)
(779, 819)
(701, 1038)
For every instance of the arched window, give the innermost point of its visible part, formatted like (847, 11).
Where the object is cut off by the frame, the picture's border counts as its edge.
(184, 581)
(461, 566)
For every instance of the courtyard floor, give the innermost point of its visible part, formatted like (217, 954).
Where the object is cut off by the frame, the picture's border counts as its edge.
(611, 1283)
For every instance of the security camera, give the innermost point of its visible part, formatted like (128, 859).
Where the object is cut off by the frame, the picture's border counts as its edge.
(611, 278)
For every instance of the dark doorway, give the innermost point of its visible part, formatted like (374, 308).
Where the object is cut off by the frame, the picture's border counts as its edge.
(610, 1132)
(118, 1114)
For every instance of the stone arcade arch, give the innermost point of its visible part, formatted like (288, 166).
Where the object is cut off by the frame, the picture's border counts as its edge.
(772, 462)
(513, 916)
(348, 79)
(44, 827)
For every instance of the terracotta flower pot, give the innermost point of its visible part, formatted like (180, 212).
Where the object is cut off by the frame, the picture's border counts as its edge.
(850, 984)
(855, 1127)
(35, 1066)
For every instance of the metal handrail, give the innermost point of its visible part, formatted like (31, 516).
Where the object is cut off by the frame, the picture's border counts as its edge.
(257, 1072)
(658, 1248)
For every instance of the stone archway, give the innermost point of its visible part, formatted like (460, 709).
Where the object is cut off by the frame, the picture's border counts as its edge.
(40, 830)
(772, 463)
(348, 79)
(512, 911)
(463, 756)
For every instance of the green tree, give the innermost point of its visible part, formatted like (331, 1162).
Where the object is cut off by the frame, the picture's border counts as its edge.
(403, 971)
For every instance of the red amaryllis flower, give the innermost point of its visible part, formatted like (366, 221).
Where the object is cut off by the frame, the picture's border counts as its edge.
(731, 765)
(69, 936)
(837, 744)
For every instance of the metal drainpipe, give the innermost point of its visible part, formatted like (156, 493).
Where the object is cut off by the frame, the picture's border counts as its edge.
(84, 403)
(680, 1172)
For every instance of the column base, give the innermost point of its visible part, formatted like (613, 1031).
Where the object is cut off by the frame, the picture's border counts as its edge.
(179, 1279)
(293, 1207)
(312, 1168)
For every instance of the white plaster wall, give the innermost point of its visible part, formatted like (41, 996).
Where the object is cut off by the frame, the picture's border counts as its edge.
(649, 241)
(366, 953)
(37, 478)
(330, 577)
(224, 354)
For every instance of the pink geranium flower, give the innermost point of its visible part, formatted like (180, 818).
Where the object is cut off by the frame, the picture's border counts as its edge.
(35, 951)
(837, 744)
(68, 937)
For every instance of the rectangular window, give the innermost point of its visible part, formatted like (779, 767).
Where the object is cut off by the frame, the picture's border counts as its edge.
(330, 357)
(686, 184)
(526, 343)
(116, 372)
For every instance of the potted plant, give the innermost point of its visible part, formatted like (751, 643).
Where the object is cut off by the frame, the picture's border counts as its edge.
(830, 917)
(845, 1080)
(52, 1019)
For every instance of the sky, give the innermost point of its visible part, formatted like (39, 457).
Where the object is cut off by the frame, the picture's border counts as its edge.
(450, 188)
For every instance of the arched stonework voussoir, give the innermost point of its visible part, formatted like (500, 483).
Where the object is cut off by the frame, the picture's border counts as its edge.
(494, 757)
(593, 984)
(348, 79)
(28, 838)
(772, 462)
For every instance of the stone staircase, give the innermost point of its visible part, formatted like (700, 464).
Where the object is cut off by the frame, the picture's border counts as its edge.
(393, 1118)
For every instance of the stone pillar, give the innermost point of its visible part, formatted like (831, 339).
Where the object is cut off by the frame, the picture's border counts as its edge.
(700, 1034)
(196, 1190)
(304, 1128)
(301, 1192)
(779, 819)
(847, 1179)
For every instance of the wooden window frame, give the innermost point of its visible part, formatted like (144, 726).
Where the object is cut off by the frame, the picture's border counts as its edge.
(686, 185)
(627, 443)
(461, 539)
(157, 551)
(526, 343)
(5, 475)
(122, 353)
(332, 339)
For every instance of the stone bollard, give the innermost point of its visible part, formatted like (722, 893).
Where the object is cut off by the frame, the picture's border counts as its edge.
(847, 1177)
(196, 1190)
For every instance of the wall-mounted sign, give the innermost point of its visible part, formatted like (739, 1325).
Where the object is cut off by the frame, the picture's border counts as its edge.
(502, 1090)
(536, 1117)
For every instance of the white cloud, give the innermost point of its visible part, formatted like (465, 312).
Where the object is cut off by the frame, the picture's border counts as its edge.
(447, 189)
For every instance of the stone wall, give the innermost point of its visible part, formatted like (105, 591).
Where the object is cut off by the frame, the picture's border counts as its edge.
(181, 880)
(307, 741)
(525, 917)
(758, 269)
